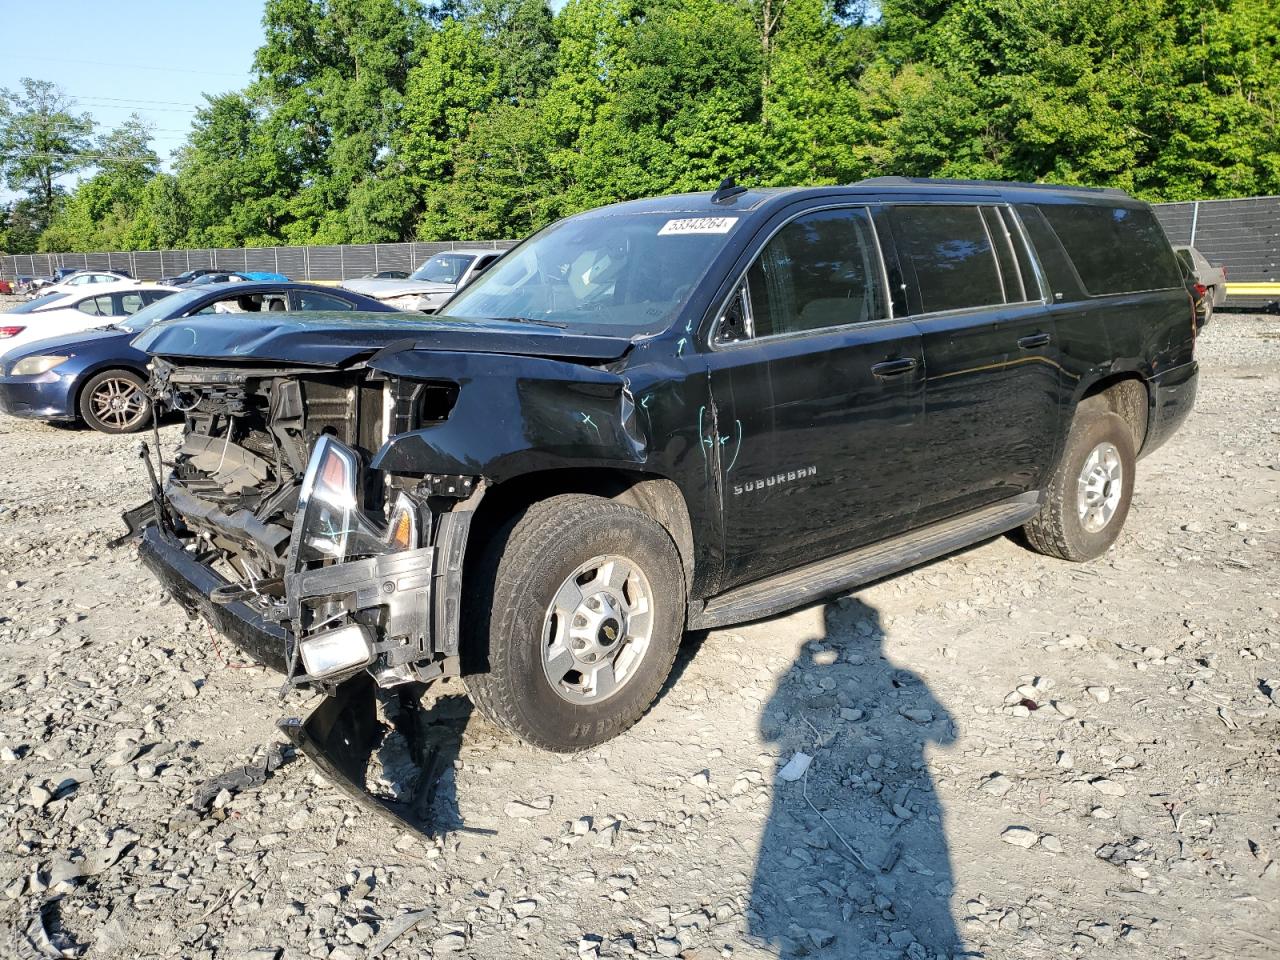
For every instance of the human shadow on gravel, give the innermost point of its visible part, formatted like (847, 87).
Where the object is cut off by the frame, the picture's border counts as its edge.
(866, 724)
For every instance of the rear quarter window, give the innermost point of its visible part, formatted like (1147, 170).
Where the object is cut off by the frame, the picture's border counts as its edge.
(1114, 249)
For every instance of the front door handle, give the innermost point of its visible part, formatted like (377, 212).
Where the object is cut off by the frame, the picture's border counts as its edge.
(894, 368)
(1034, 340)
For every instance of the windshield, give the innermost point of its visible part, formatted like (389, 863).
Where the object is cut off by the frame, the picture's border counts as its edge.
(164, 308)
(626, 273)
(443, 268)
(38, 302)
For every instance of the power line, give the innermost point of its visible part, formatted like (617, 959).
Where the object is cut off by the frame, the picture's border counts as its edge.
(117, 65)
(95, 157)
(97, 96)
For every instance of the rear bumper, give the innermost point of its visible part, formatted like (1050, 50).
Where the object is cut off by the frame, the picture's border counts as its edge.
(192, 583)
(1173, 395)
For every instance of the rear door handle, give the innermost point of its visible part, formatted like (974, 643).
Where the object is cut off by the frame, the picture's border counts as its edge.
(894, 368)
(1035, 340)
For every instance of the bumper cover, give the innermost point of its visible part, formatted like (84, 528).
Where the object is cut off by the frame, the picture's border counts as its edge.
(1173, 395)
(192, 584)
(49, 399)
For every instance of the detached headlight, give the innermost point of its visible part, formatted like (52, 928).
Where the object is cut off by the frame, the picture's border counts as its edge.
(30, 366)
(332, 525)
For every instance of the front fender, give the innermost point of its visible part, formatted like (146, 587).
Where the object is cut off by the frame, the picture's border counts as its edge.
(515, 415)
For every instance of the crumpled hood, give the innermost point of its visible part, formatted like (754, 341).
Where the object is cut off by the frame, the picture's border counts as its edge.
(385, 289)
(337, 339)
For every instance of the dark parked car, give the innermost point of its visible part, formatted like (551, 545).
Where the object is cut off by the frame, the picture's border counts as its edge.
(187, 276)
(660, 415)
(95, 376)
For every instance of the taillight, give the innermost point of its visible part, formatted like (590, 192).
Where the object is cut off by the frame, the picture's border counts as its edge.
(6, 332)
(1201, 289)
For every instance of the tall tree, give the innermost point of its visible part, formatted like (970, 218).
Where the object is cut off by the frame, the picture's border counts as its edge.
(101, 213)
(41, 141)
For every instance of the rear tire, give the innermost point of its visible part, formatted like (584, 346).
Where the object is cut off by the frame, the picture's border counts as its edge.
(579, 611)
(115, 401)
(1088, 495)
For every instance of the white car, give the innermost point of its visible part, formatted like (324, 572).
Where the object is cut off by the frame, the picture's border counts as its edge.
(77, 282)
(83, 307)
(431, 284)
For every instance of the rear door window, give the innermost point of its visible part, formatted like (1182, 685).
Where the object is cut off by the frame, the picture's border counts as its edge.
(951, 251)
(821, 270)
(310, 300)
(130, 303)
(1114, 249)
(96, 306)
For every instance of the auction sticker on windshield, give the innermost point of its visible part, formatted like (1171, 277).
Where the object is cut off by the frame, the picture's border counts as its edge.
(698, 225)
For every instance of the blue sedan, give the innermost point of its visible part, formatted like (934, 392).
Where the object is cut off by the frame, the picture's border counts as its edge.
(95, 376)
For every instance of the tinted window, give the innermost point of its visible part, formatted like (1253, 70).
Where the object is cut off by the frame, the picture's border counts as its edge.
(1057, 268)
(820, 270)
(130, 302)
(151, 296)
(951, 252)
(1114, 249)
(308, 300)
(1015, 289)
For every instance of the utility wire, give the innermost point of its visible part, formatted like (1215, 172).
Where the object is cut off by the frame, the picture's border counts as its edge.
(122, 65)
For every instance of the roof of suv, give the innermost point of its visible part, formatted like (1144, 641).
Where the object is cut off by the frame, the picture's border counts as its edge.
(764, 199)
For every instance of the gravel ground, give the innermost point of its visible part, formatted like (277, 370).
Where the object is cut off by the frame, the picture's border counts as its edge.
(1011, 756)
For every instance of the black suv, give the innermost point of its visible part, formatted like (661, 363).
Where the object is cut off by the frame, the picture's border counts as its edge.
(673, 413)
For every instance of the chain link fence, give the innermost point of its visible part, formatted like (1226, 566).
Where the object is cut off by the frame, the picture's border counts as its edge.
(339, 262)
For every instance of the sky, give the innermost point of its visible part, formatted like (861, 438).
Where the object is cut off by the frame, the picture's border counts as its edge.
(117, 57)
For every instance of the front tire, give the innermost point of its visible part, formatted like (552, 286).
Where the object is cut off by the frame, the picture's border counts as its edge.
(1088, 496)
(115, 401)
(580, 608)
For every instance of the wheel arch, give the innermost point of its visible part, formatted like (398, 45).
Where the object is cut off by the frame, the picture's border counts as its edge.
(1125, 393)
(657, 497)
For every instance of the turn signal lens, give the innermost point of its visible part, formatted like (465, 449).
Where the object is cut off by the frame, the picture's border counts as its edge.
(6, 332)
(402, 531)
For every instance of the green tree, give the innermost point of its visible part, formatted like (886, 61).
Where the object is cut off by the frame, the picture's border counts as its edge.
(100, 214)
(41, 142)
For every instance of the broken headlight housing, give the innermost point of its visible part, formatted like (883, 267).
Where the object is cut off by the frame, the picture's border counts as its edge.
(331, 525)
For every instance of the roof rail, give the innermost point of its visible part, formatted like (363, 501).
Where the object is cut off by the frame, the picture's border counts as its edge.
(946, 182)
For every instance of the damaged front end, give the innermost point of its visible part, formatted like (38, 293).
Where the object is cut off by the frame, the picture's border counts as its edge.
(271, 525)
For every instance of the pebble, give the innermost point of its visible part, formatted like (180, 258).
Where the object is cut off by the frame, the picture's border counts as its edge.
(1101, 694)
(668, 947)
(450, 942)
(1051, 843)
(1107, 787)
(997, 785)
(528, 809)
(1020, 837)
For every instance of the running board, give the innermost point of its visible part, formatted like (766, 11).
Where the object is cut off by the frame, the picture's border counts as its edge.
(755, 601)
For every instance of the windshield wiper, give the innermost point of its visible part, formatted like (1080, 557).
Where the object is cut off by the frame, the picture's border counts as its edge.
(540, 322)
